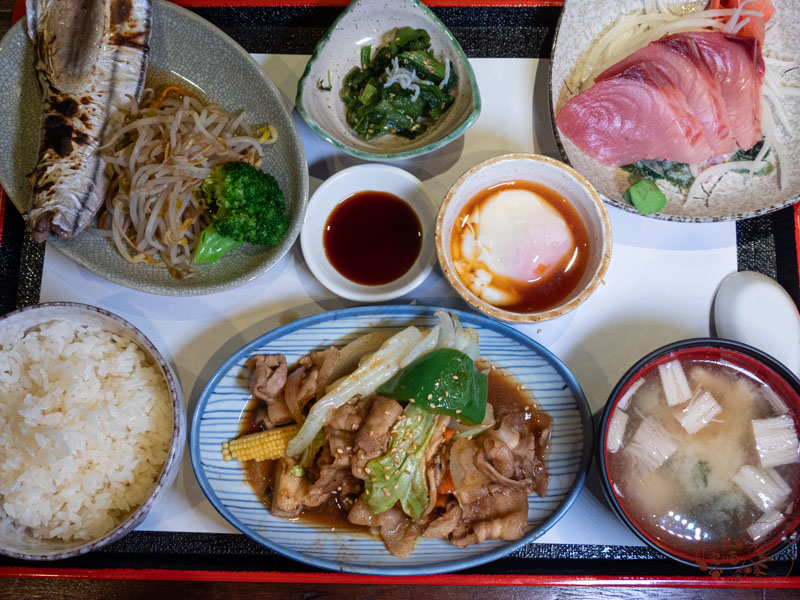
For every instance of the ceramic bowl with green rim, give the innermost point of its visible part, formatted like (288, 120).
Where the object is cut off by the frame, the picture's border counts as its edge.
(372, 23)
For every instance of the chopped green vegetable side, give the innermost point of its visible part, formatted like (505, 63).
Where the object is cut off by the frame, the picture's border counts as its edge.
(408, 104)
(400, 474)
(646, 197)
(444, 381)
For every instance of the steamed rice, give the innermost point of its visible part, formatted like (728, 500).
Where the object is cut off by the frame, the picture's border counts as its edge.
(85, 429)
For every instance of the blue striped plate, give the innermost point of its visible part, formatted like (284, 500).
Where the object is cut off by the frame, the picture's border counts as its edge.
(222, 402)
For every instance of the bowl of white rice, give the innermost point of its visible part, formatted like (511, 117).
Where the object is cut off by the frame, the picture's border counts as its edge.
(92, 429)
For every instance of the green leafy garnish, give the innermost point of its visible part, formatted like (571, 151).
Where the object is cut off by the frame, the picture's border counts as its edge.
(646, 197)
(678, 174)
(375, 108)
(444, 381)
(402, 463)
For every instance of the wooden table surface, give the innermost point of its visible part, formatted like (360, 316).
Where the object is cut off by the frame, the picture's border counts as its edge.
(33, 588)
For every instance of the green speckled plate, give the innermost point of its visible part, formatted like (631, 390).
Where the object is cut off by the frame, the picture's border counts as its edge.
(370, 22)
(190, 48)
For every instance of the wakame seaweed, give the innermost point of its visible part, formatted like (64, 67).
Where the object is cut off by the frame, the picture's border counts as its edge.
(375, 109)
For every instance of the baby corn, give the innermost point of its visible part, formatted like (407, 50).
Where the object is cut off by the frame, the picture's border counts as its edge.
(264, 445)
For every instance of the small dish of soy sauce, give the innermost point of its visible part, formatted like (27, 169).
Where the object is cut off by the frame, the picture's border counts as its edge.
(368, 233)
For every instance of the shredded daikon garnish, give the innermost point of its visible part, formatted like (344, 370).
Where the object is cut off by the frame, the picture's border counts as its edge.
(765, 488)
(700, 411)
(673, 380)
(765, 524)
(776, 441)
(616, 430)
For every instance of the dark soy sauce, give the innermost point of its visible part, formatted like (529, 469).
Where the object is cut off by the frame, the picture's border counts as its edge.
(372, 238)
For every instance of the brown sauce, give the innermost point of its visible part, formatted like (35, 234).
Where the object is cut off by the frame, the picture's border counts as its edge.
(505, 395)
(372, 238)
(544, 292)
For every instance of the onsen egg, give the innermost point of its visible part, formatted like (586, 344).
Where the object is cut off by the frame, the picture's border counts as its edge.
(520, 245)
(522, 236)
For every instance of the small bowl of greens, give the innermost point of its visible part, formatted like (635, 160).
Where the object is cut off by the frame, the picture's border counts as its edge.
(388, 82)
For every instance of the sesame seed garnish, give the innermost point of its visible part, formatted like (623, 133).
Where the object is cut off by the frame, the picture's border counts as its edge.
(373, 479)
(367, 470)
(339, 489)
(387, 492)
(406, 471)
(458, 412)
(386, 477)
(348, 448)
(430, 396)
(411, 400)
(446, 393)
(432, 405)
(340, 451)
(455, 377)
(386, 467)
(371, 433)
(396, 485)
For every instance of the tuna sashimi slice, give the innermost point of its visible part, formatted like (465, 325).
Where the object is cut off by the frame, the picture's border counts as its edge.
(637, 114)
(698, 85)
(738, 66)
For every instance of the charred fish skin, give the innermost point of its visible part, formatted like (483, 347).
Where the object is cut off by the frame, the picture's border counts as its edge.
(90, 57)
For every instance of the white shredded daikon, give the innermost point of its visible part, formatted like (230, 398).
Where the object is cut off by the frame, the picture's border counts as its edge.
(673, 380)
(700, 411)
(715, 172)
(630, 32)
(626, 397)
(765, 524)
(776, 441)
(764, 488)
(616, 430)
(651, 445)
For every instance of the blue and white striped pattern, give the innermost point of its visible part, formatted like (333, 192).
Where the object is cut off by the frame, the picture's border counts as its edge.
(216, 419)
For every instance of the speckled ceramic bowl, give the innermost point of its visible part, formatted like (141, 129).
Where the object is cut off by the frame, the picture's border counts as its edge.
(22, 545)
(558, 177)
(732, 196)
(227, 75)
(371, 22)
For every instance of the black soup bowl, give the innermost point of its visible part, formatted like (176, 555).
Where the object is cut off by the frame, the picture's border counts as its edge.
(698, 453)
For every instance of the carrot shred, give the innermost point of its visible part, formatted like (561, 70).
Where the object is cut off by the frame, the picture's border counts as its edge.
(441, 500)
(448, 433)
(178, 91)
(447, 486)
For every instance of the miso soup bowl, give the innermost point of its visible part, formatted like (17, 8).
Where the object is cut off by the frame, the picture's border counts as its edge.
(559, 177)
(725, 553)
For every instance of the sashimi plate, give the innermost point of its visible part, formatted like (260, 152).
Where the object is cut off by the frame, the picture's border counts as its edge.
(221, 404)
(185, 47)
(731, 196)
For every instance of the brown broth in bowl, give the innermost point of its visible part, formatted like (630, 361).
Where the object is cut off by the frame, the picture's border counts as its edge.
(716, 475)
(520, 246)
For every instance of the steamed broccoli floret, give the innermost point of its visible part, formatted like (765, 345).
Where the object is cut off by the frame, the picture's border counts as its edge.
(247, 206)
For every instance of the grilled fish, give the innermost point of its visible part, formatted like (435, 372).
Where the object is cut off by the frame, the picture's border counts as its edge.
(90, 57)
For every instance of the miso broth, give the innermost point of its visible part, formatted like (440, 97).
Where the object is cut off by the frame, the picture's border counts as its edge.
(685, 463)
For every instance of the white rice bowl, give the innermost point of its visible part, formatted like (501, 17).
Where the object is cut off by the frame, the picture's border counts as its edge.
(87, 421)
